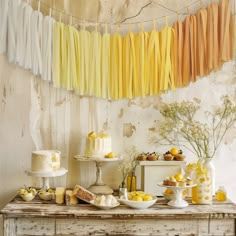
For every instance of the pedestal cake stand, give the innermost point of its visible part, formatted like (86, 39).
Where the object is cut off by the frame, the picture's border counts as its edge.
(99, 187)
(177, 200)
(46, 175)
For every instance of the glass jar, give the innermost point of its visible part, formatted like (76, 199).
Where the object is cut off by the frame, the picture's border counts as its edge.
(221, 194)
(202, 192)
(123, 193)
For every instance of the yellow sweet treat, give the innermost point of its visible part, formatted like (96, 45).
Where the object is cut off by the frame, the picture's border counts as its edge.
(168, 191)
(92, 134)
(174, 151)
(147, 197)
(179, 176)
(110, 155)
(139, 196)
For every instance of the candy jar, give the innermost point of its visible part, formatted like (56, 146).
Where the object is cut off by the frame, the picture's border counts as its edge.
(221, 194)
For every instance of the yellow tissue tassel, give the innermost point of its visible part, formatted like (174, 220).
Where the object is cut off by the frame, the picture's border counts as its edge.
(71, 77)
(76, 81)
(141, 51)
(129, 65)
(57, 57)
(115, 82)
(154, 64)
(84, 61)
(186, 52)
(167, 72)
(94, 79)
(105, 64)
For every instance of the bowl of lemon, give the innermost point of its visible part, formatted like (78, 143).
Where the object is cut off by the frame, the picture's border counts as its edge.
(138, 200)
(27, 194)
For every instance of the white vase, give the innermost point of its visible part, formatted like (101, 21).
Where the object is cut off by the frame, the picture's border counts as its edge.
(209, 165)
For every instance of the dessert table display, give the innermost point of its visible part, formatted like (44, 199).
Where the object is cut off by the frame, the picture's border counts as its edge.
(39, 217)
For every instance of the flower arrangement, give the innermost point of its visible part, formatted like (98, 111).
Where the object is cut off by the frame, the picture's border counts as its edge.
(180, 127)
(128, 165)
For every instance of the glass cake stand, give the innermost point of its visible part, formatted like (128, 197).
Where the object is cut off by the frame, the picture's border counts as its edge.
(99, 187)
(46, 175)
(177, 200)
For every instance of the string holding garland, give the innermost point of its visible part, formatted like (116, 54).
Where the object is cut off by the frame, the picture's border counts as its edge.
(115, 66)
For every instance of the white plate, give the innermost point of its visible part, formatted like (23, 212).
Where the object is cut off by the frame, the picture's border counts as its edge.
(104, 207)
(138, 204)
(98, 159)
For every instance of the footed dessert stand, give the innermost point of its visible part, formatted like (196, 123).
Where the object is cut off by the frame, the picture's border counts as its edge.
(46, 175)
(99, 187)
(178, 200)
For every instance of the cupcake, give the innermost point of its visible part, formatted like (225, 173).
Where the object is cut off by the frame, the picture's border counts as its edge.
(168, 157)
(152, 157)
(179, 157)
(142, 157)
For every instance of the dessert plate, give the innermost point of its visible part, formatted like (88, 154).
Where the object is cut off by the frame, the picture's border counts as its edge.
(103, 207)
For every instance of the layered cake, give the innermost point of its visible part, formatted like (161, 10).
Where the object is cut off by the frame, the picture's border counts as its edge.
(45, 161)
(98, 145)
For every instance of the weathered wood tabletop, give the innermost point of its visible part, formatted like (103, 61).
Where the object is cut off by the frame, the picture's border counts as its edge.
(83, 219)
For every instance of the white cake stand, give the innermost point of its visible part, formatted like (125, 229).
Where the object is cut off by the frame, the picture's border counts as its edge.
(178, 200)
(99, 187)
(46, 175)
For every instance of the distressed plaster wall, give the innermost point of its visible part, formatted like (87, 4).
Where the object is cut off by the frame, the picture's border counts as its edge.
(33, 114)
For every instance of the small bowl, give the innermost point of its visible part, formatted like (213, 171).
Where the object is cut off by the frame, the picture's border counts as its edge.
(27, 197)
(138, 204)
(46, 196)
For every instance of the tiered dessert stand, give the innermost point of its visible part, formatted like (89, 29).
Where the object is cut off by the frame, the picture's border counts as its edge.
(46, 175)
(99, 187)
(177, 200)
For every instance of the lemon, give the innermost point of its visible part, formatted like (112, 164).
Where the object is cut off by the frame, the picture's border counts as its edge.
(137, 198)
(174, 151)
(147, 197)
(179, 176)
(168, 191)
(92, 134)
(110, 155)
(140, 193)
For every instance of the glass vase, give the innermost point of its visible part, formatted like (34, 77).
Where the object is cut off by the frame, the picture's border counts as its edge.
(131, 182)
(209, 165)
(202, 192)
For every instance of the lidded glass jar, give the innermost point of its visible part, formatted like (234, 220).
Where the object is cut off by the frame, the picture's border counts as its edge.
(221, 194)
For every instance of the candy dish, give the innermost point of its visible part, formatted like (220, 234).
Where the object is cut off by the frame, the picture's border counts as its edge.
(46, 194)
(27, 194)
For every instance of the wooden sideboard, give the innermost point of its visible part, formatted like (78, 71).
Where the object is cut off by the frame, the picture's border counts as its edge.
(47, 218)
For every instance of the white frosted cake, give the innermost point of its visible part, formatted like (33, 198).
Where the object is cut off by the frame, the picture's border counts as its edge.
(98, 145)
(45, 161)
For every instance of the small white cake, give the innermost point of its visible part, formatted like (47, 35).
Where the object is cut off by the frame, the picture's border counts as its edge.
(98, 145)
(45, 160)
